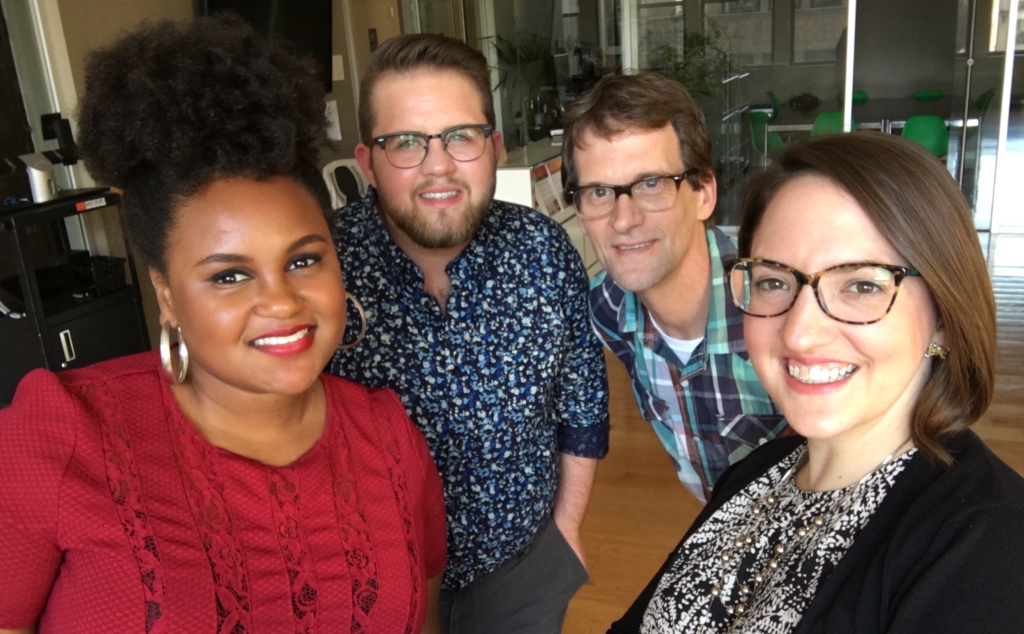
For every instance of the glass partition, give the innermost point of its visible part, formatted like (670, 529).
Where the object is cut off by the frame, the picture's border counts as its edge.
(761, 70)
(1007, 211)
(989, 95)
(767, 73)
(740, 58)
(1000, 27)
(434, 16)
(742, 27)
(660, 30)
(818, 31)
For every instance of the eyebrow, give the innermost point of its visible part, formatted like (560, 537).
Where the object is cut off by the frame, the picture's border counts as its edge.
(235, 258)
(452, 128)
(641, 177)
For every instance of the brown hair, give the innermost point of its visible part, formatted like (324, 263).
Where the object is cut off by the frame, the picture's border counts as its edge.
(641, 101)
(916, 204)
(408, 53)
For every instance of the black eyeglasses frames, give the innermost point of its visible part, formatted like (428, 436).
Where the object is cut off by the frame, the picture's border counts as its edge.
(649, 194)
(463, 143)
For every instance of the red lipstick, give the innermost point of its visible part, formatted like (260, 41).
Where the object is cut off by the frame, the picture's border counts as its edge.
(283, 341)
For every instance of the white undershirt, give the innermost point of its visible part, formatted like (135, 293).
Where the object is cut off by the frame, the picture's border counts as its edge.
(683, 348)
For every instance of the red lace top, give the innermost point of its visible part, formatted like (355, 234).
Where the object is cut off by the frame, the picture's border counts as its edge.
(116, 516)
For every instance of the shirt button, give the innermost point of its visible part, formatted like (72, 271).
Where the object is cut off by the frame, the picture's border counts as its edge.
(762, 441)
(686, 383)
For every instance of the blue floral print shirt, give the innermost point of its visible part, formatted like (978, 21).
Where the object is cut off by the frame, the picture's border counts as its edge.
(501, 382)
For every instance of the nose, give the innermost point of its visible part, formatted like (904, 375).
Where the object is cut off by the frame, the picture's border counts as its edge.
(437, 162)
(625, 216)
(806, 324)
(277, 298)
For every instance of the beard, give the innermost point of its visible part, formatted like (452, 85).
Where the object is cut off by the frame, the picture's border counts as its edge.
(428, 235)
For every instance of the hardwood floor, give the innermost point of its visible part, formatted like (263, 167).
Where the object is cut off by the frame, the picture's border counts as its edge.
(639, 510)
(1002, 427)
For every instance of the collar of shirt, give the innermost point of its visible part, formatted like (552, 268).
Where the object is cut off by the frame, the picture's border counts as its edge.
(724, 334)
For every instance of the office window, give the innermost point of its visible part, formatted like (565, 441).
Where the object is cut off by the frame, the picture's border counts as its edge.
(744, 28)
(661, 31)
(743, 6)
(818, 29)
(1001, 26)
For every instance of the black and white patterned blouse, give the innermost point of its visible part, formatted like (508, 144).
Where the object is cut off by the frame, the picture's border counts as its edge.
(683, 601)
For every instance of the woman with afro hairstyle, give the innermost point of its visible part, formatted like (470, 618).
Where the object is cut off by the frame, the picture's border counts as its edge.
(226, 486)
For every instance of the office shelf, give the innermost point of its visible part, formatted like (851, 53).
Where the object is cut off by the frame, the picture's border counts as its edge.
(68, 319)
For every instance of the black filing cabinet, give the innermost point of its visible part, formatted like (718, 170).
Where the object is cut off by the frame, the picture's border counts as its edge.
(62, 307)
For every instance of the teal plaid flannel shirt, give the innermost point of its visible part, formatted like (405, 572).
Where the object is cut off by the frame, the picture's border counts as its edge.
(709, 412)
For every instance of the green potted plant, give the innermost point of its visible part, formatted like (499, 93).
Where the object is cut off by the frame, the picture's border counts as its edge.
(525, 64)
(697, 65)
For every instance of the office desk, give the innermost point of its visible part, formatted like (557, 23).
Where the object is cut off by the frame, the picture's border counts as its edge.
(876, 114)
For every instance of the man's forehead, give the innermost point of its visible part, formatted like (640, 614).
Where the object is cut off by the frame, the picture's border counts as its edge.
(628, 153)
(436, 85)
(614, 132)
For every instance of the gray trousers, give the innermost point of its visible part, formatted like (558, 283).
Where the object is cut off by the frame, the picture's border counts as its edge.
(528, 594)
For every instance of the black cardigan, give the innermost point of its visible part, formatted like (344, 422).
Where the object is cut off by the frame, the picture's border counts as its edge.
(944, 552)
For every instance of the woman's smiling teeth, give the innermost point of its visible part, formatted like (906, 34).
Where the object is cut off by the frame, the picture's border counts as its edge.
(820, 373)
(439, 195)
(281, 341)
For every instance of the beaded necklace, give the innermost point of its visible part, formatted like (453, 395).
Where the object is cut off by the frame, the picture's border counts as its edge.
(783, 551)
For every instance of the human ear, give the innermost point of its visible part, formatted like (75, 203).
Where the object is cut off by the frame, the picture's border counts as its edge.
(365, 160)
(163, 298)
(939, 336)
(499, 146)
(709, 191)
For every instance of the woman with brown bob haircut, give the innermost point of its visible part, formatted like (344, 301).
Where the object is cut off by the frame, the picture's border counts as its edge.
(870, 320)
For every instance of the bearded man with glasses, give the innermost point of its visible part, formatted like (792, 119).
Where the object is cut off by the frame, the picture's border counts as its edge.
(637, 165)
(476, 315)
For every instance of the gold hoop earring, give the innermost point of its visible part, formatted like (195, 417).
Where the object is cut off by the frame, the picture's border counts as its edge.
(165, 356)
(362, 316)
(935, 350)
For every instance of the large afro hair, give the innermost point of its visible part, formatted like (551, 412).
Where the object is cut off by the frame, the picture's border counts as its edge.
(170, 108)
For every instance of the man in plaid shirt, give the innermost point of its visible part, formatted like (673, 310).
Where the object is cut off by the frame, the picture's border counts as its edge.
(638, 167)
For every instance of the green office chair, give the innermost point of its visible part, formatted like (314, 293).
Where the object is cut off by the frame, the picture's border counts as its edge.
(930, 131)
(828, 122)
(859, 97)
(984, 100)
(776, 146)
(929, 95)
(776, 104)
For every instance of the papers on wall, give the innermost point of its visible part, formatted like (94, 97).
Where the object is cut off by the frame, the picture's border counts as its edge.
(337, 68)
(547, 187)
(333, 123)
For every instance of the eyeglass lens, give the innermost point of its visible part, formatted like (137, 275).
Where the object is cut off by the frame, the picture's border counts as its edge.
(649, 195)
(849, 293)
(409, 150)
